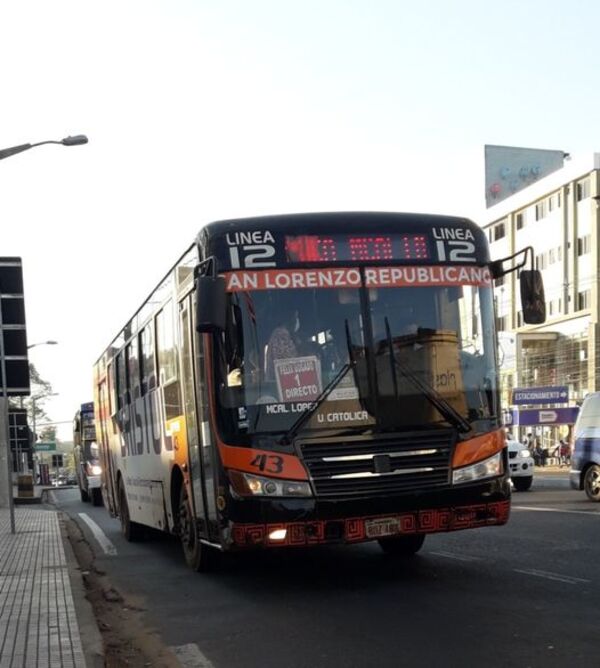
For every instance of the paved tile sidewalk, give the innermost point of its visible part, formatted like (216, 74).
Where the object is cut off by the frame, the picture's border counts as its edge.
(38, 625)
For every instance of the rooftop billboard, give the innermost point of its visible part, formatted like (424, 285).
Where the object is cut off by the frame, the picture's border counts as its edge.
(509, 169)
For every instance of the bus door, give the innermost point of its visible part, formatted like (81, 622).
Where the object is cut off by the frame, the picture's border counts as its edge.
(199, 500)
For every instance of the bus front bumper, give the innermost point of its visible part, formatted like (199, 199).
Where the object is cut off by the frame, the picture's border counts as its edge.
(302, 523)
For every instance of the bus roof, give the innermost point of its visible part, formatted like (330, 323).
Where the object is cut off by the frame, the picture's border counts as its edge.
(343, 220)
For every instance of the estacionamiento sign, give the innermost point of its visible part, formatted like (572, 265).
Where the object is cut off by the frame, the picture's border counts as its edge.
(540, 395)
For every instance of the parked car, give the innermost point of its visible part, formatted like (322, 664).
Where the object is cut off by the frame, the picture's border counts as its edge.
(520, 463)
(585, 458)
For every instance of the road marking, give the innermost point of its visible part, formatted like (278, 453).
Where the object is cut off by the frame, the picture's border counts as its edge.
(190, 656)
(458, 557)
(99, 535)
(551, 576)
(541, 509)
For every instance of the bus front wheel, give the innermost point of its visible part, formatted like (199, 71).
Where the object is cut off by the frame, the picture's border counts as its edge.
(199, 557)
(402, 546)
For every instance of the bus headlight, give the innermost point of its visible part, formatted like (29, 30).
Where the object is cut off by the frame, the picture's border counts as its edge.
(488, 468)
(246, 484)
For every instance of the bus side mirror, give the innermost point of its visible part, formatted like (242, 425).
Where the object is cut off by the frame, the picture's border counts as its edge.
(533, 301)
(211, 303)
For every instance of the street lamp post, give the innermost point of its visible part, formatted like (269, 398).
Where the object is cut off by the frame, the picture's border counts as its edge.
(67, 141)
(5, 459)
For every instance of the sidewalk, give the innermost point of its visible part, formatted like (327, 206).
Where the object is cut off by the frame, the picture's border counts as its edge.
(38, 624)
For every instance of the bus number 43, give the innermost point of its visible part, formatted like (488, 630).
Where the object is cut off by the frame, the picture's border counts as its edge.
(268, 463)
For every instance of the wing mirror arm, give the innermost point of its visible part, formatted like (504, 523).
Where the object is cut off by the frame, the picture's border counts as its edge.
(533, 302)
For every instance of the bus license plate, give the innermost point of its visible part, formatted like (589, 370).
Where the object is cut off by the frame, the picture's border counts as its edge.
(387, 526)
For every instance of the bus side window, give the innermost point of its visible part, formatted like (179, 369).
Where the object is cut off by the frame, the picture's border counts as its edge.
(167, 362)
(122, 394)
(167, 353)
(147, 361)
(112, 392)
(172, 393)
(133, 370)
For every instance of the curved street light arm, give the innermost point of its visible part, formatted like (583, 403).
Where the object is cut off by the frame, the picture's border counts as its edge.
(74, 140)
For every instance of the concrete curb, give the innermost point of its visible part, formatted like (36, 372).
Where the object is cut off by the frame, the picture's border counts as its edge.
(91, 638)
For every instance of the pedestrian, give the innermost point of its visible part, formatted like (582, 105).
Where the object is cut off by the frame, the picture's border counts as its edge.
(565, 453)
(538, 455)
(545, 453)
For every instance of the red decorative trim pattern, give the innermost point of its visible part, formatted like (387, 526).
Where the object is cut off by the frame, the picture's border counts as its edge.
(418, 521)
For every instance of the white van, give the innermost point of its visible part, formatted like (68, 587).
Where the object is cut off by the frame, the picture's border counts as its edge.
(585, 458)
(520, 463)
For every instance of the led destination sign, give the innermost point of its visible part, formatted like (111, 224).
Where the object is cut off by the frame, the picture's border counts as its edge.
(356, 248)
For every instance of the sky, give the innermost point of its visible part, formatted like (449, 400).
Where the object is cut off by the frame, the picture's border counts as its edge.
(200, 110)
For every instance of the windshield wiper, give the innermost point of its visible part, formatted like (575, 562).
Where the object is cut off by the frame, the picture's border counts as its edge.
(293, 430)
(430, 393)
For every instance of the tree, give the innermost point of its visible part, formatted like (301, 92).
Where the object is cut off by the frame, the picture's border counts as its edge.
(40, 388)
(47, 434)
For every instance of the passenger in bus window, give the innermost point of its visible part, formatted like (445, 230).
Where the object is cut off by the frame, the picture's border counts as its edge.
(283, 342)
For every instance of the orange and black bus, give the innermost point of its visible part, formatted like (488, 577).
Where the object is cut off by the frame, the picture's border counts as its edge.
(304, 379)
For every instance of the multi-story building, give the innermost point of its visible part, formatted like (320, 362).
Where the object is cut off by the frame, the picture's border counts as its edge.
(558, 217)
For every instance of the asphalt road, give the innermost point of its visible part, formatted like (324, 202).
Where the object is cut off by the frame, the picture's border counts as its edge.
(521, 595)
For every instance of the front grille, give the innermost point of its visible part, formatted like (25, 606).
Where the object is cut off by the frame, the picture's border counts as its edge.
(512, 455)
(398, 463)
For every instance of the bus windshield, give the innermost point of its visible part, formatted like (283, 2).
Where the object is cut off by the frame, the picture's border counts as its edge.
(371, 358)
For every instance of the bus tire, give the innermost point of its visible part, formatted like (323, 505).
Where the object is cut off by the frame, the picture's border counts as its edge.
(97, 496)
(591, 482)
(85, 497)
(132, 531)
(402, 546)
(199, 557)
